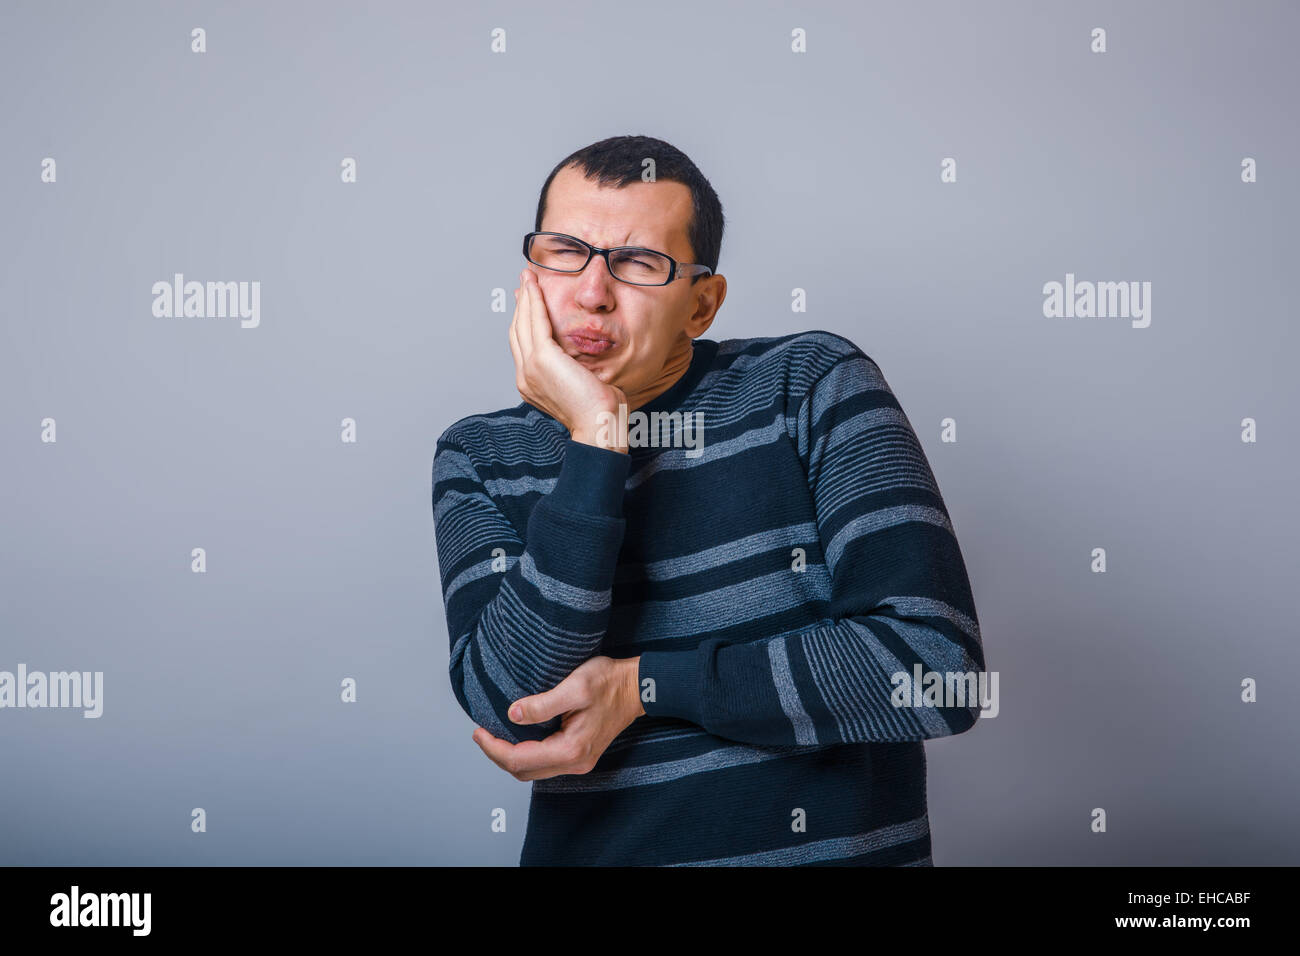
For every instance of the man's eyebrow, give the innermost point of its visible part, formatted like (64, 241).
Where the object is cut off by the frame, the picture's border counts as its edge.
(662, 247)
(645, 244)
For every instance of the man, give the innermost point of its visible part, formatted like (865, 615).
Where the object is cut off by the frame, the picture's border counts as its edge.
(699, 651)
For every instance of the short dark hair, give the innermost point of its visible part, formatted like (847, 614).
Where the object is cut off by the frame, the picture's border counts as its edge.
(617, 162)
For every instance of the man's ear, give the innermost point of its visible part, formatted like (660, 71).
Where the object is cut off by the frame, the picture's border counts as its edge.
(709, 295)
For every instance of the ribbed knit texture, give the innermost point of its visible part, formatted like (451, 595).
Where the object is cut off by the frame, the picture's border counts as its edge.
(772, 685)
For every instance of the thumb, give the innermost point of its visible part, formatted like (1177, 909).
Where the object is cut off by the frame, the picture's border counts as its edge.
(560, 699)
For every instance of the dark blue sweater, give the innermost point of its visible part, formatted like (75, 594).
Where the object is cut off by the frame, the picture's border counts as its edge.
(773, 585)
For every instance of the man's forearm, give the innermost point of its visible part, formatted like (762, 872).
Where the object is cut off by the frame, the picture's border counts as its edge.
(562, 576)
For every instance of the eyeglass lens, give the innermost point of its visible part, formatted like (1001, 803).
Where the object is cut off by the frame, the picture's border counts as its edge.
(631, 265)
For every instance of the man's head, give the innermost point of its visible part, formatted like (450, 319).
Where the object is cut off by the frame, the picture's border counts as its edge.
(598, 195)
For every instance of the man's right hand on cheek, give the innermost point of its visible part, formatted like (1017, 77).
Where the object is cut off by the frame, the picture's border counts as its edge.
(550, 379)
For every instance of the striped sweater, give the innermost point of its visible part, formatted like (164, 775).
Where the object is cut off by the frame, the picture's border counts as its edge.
(773, 575)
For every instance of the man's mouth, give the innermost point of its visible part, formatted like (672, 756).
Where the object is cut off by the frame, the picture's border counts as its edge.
(589, 341)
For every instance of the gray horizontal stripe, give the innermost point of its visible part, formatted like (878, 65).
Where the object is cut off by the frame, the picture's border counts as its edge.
(518, 487)
(851, 375)
(750, 599)
(553, 589)
(706, 559)
(834, 848)
(675, 458)
(879, 519)
(719, 759)
(912, 606)
(935, 648)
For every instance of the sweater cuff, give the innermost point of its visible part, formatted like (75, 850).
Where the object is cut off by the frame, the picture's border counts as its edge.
(676, 684)
(591, 480)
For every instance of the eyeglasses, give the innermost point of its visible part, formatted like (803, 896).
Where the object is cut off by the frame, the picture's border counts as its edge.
(631, 264)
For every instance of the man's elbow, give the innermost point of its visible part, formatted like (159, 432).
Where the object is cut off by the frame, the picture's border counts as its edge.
(947, 702)
(478, 703)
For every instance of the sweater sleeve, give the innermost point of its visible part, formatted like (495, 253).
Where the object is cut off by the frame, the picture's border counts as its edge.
(522, 613)
(899, 596)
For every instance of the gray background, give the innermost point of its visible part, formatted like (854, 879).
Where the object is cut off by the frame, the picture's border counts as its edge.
(1118, 690)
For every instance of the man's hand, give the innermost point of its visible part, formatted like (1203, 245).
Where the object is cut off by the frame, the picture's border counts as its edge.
(554, 381)
(597, 700)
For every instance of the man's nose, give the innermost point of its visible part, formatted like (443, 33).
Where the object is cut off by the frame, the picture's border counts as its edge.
(598, 267)
(596, 284)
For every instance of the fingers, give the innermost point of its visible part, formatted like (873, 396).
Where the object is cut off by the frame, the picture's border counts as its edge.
(529, 759)
(520, 349)
(537, 323)
(522, 324)
(513, 336)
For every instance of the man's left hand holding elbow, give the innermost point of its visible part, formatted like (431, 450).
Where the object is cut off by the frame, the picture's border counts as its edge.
(598, 700)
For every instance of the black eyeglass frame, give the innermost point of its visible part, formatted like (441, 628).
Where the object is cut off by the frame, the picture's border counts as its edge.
(677, 270)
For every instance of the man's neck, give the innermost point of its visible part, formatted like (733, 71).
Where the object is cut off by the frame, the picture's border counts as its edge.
(679, 360)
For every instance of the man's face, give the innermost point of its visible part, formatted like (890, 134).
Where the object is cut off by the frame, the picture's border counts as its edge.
(647, 325)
